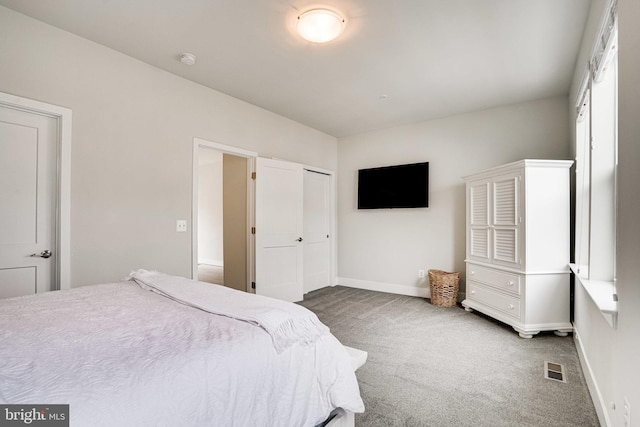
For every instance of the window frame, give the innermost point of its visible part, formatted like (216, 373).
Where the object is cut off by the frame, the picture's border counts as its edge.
(596, 190)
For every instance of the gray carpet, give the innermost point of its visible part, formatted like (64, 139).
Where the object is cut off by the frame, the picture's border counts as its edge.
(432, 366)
(211, 274)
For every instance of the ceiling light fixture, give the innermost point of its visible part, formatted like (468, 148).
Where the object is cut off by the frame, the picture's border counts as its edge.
(320, 25)
(188, 59)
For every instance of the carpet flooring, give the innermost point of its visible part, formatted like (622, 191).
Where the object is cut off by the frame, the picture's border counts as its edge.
(211, 274)
(432, 366)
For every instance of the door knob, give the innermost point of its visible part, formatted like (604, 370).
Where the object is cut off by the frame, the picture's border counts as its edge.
(44, 254)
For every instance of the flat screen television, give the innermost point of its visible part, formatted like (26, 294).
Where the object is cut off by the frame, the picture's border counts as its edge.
(400, 186)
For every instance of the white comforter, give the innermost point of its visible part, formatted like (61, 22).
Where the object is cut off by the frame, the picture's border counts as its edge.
(123, 356)
(286, 323)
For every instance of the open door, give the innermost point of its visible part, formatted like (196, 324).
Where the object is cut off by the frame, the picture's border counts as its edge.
(278, 235)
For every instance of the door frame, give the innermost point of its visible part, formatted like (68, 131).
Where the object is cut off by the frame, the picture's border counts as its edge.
(239, 152)
(63, 117)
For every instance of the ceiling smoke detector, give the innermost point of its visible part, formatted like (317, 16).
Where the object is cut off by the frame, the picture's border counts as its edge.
(188, 59)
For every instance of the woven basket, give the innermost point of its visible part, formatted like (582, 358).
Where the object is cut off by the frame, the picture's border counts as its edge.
(443, 287)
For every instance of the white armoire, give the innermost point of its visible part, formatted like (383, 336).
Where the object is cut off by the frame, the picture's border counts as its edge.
(517, 252)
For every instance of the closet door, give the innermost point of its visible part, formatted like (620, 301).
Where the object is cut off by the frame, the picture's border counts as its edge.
(317, 223)
(279, 220)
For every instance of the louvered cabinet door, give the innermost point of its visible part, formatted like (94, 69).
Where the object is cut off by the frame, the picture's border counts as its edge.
(479, 232)
(506, 218)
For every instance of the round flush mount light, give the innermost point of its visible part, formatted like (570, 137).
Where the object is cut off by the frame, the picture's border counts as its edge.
(320, 25)
(188, 58)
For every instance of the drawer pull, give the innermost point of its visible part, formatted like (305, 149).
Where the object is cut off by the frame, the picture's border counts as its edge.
(473, 292)
(511, 307)
(510, 283)
(473, 272)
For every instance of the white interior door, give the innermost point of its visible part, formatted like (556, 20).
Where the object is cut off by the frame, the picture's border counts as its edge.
(317, 223)
(278, 219)
(28, 161)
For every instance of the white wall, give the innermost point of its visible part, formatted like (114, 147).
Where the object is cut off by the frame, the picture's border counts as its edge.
(626, 350)
(611, 354)
(383, 249)
(133, 127)
(210, 212)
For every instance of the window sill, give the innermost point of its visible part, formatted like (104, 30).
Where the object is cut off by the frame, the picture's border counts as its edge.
(603, 295)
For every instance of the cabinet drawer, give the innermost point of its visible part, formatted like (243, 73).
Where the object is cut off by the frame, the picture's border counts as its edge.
(509, 282)
(507, 304)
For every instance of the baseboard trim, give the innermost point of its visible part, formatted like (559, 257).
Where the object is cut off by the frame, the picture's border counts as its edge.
(592, 385)
(391, 288)
(211, 262)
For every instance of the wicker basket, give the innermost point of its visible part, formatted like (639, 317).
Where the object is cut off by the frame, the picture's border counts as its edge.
(443, 287)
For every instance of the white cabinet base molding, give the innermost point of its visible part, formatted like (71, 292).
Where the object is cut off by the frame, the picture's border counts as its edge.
(518, 245)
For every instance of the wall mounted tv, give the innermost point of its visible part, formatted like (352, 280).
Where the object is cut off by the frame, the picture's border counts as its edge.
(400, 186)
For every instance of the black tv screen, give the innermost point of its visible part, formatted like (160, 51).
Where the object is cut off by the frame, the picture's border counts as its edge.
(401, 186)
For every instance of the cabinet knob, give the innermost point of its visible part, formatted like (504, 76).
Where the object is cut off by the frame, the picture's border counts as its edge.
(511, 306)
(473, 292)
(510, 283)
(473, 272)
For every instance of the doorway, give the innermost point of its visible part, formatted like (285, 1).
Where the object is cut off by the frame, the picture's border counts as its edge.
(210, 217)
(222, 247)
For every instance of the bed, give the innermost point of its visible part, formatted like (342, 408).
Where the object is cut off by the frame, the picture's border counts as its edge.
(159, 350)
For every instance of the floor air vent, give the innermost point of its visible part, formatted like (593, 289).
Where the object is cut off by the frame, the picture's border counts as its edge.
(554, 371)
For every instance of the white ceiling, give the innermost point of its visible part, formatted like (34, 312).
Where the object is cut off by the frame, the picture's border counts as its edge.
(398, 61)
